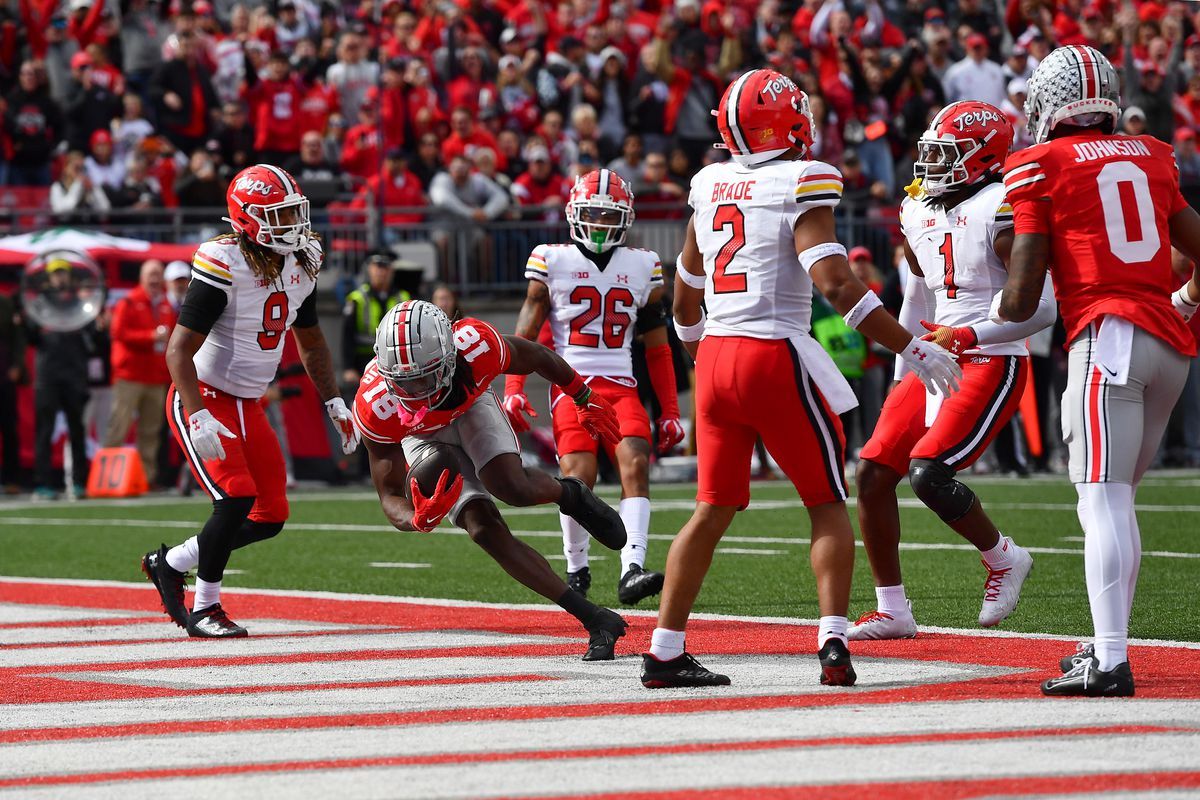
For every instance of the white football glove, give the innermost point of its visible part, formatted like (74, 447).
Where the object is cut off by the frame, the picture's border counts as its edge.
(343, 420)
(1182, 300)
(205, 432)
(936, 368)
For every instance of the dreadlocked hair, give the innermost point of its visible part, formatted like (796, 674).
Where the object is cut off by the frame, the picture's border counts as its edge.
(265, 263)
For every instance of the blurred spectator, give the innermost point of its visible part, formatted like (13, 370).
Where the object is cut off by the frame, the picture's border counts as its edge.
(470, 89)
(692, 90)
(629, 163)
(445, 298)
(1014, 109)
(102, 167)
(177, 276)
(976, 77)
(425, 112)
(364, 309)
(234, 138)
(428, 162)
(510, 147)
(653, 186)
(139, 189)
(352, 75)
(1149, 85)
(90, 107)
(1017, 65)
(461, 195)
(141, 324)
(33, 124)
(542, 190)
(585, 128)
(200, 186)
(1188, 161)
(393, 188)
(12, 374)
(610, 94)
(388, 97)
(563, 150)
(74, 197)
(143, 31)
(484, 162)
(183, 95)
(311, 164)
(291, 27)
(132, 128)
(466, 137)
(1133, 121)
(518, 98)
(274, 104)
(362, 147)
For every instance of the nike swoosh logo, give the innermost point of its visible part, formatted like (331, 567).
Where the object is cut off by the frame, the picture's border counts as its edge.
(1112, 373)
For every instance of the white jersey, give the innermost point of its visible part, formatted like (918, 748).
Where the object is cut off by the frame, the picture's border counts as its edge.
(745, 221)
(955, 250)
(592, 310)
(242, 351)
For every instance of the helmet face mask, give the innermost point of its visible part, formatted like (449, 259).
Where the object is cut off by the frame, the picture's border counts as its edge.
(600, 211)
(939, 164)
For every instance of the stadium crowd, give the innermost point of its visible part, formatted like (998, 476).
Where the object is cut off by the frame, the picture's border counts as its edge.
(481, 107)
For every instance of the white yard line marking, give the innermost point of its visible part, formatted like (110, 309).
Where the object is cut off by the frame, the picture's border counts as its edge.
(394, 565)
(749, 551)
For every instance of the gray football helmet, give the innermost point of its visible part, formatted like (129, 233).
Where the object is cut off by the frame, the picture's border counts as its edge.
(1074, 85)
(414, 350)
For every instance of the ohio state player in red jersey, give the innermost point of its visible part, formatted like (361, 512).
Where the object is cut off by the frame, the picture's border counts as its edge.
(427, 393)
(596, 294)
(761, 238)
(1101, 211)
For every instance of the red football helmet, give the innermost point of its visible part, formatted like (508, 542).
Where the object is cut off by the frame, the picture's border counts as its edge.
(763, 114)
(600, 210)
(966, 144)
(266, 204)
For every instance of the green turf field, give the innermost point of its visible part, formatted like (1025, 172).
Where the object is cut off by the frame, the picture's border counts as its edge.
(334, 537)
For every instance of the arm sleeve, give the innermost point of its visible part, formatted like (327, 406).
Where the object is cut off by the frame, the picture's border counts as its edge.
(919, 304)
(651, 317)
(306, 315)
(988, 332)
(202, 307)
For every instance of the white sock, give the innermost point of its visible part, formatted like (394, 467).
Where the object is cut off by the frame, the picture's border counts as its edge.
(666, 644)
(1136, 541)
(575, 543)
(891, 600)
(1110, 561)
(1000, 556)
(831, 628)
(635, 513)
(206, 594)
(184, 557)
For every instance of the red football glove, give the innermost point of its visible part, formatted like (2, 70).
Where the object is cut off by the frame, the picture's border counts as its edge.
(429, 511)
(956, 341)
(670, 433)
(516, 406)
(597, 417)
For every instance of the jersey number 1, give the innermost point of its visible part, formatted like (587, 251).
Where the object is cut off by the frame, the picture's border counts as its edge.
(947, 253)
(275, 314)
(729, 216)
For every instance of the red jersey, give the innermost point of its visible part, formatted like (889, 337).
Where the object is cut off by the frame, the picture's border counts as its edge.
(376, 410)
(1104, 201)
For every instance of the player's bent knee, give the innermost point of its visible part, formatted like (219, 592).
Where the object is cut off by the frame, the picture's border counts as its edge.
(233, 509)
(513, 488)
(483, 523)
(872, 478)
(934, 483)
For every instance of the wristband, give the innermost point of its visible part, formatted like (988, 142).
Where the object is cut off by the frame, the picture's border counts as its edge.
(691, 333)
(865, 305)
(694, 281)
(812, 255)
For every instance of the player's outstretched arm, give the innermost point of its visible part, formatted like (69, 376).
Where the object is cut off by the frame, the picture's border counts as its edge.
(1185, 236)
(318, 363)
(533, 314)
(595, 413)
(825, 259)
(689, 293)
(1026, 278)
(389, 473)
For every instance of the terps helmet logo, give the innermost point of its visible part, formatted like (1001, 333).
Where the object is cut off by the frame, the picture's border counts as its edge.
(979, 117)
(778, 86)
(252, 185)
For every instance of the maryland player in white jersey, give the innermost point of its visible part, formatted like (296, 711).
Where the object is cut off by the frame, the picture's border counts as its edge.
(761, 238)
(248, 289)
(599, 294)
(957, 236)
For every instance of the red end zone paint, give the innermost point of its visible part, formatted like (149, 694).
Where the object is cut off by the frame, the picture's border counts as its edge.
(584, 752)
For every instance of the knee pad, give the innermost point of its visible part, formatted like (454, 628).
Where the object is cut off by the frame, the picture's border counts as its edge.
(935, 485)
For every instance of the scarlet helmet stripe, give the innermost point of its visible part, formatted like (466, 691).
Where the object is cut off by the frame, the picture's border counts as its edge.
(402, 343)
(1088, 71)
(731, 113)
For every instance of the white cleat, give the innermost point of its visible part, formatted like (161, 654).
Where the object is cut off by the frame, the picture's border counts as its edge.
(1002, 589)
(878, 625)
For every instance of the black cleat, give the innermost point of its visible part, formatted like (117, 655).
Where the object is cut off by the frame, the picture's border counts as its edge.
(597, 517)
(836, 669)
(1083, 652)
(214, 623)
(681, 672)
(580, 581)
(1088, 680)
(171, 584)
(638, 584)
(605, 629)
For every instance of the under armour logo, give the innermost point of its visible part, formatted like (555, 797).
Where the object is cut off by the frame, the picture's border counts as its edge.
(961, 222)
(208, 392)
(917, 352)
(622, 279)
(296, 278)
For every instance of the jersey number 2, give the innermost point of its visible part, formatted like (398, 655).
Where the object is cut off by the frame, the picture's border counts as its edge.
(615, 321)
(729, 216)
(275, 314)
(947, 253)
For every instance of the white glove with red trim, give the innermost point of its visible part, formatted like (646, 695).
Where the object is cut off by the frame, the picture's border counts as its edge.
(936, 368)
(343, 420)
(205, 432)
